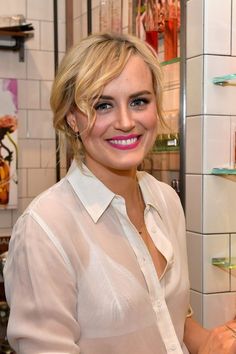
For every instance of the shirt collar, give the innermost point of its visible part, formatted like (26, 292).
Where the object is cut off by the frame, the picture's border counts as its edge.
(94, 195)
(150, 198)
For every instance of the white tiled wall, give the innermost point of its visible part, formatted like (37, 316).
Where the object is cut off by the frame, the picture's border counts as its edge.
(194, 202)
(210, 140)
(36, 137)
(194, 145)
(217, 99)
(194, 86)
(196, 300)
(10, 67)
(233, 34)
(217, 36)
(218, 308)
(216, 142)
(25, 97)
(210, 309)
(195, 249)
(195, 27)
(219, 204)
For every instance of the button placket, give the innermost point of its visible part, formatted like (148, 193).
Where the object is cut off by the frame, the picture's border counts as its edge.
(157, 305)
(172, 348)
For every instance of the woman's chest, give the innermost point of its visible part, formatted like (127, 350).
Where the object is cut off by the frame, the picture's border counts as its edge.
(111, 298)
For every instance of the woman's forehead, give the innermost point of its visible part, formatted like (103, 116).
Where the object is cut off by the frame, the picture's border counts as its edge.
(136, 72)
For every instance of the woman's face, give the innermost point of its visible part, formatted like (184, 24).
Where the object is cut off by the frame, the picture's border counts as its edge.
(126, 121)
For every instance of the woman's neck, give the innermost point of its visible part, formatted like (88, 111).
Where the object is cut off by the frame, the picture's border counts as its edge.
(125, 184)
(120, 182)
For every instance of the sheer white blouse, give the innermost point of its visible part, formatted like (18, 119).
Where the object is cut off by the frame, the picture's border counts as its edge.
(79, 278)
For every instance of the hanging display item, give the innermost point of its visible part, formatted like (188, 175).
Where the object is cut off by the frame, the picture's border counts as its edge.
(171, 29)
(159, 19)
(111, 16)
(151, 24)
(8, 146)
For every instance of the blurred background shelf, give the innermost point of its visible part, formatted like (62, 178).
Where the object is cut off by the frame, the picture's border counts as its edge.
(223, 171)
(13, 38)
(225, 80)
(224, 262)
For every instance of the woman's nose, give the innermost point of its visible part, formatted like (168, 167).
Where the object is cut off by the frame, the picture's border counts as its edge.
(124, 120)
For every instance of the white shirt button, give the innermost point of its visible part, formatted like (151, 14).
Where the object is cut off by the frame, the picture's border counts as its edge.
(158, 305)
(153, 229)
(172, 347)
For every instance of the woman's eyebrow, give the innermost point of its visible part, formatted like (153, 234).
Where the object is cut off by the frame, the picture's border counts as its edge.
(135, 94)
(105, 97)
(140, 93)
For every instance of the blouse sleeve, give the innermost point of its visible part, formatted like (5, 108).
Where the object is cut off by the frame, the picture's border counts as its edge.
(41, 293)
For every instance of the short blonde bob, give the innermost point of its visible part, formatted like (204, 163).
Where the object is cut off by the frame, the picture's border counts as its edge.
(84, 72)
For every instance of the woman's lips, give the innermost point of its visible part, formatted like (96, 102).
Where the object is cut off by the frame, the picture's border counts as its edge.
(124, 142)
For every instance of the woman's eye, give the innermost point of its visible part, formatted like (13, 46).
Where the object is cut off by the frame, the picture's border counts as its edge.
(103, 106)
(139, 102)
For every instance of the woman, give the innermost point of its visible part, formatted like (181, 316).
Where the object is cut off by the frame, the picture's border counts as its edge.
(97, 263)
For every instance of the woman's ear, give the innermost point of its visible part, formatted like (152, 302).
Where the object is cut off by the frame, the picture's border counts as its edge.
(72, 121)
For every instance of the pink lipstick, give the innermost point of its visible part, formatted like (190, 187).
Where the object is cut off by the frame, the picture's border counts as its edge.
(126, 142)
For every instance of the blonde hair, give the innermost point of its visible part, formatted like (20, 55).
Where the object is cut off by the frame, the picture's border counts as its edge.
(84, 72)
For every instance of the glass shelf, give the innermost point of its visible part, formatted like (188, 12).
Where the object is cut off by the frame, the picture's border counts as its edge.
(223, 171)
(225, 80)
(224, 262)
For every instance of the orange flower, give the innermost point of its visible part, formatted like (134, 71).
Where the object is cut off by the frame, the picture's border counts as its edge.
(8, 123)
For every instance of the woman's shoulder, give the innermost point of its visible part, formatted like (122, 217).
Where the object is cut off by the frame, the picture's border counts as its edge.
(50, 199)
(44, 213)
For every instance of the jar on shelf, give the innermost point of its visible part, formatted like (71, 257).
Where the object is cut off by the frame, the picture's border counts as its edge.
(4, 181)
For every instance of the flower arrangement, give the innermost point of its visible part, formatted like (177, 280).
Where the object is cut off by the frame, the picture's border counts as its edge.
(8, 124)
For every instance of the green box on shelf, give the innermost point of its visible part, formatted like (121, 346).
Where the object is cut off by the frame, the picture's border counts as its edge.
(166, 142)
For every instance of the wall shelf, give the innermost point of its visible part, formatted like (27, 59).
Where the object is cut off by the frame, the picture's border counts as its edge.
(226, 80)
(223, 171)
(229, 173)
(17, 36)
(224, 262)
